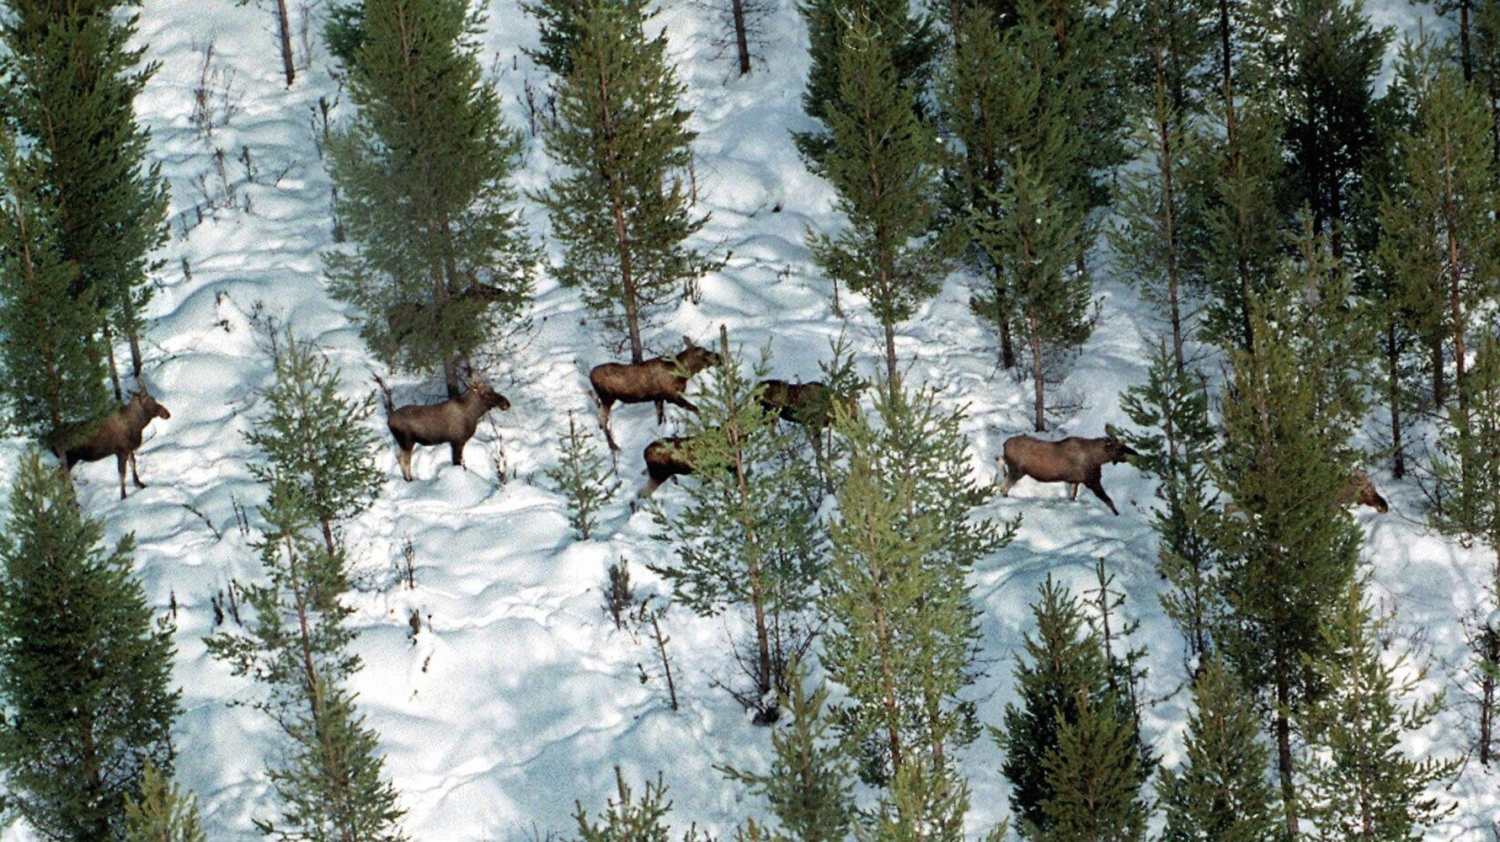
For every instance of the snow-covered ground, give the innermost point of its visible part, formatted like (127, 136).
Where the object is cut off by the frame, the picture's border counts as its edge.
(518, 695)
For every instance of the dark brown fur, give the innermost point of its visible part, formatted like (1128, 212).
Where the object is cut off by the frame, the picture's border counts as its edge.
(451, 422)
(809, 404)
(1360, 490)
(657, 379)
(1075, 461)
(117, 434)
(666, 458)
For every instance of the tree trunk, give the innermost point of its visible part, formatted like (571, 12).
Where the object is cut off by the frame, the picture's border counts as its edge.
(1439, 386)
(114, 370)
(1284, 746)
(1393, 359)
(1036, 374)
(1465, 52)
(890, 357)
(1007, 347)
(286, 42)
(741, 37)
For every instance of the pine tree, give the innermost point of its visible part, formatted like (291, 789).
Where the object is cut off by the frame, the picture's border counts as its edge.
(1069, 673)
(1220, 793)
(882, 160)
(749, 536)
(54, 372)
(925, 802)
(1289, 554)
(1468, 470)
(808, 786)
(84, 671)
(440, 262)
(621, 211)
(625, 819)
(582, 475)
(1361, 783)
(315, 440)
(1178, 447)
(902, 627)
(71, 86)
(328, 786)
(163, 813)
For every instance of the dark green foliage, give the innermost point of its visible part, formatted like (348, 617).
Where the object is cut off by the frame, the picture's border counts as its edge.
(343, 31)
(882, 160)
(626, 820)
(1468, 470)
(328, 784)
(163, 813)
(440, 262)
(1361, 783)
(1177, 448)
(808, 786)
(621, 210)
(1073, 731)
(560, 24)
(52, 361)
(1221, 792)
(71, 83)
(317, 445)
(902, 628)
(84, 672)
(749, 536)
(1176, 46)
(925, 802)
(911, 43)
(581, 473)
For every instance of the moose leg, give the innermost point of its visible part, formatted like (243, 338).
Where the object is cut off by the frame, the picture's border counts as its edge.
(684, 403)
(404, 458)
(458, 453)
(1011, 478)
(661, 412)
(1098, 488)
(1072, 491)
(134, 474)
(604, 425)
(120, 460)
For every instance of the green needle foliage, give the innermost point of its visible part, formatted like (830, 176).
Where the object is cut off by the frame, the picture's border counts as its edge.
(441, 263)
(902, 629)
(163, 813)
(84, 671)
(1221, 793)
(49, 351)
(1361, 783)
(621, 209)
(625, 819)
(1095, 776)
(584, 476)
(882, 160)
(328, 785)
(1468, 470)
(313, 440)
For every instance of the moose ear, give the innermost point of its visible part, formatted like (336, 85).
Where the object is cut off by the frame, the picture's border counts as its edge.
(687, 341)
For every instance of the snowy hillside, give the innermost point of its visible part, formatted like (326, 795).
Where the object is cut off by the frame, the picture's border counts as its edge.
(518, 695)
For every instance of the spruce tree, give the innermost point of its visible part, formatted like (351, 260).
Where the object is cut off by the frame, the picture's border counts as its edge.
(163, 813)
(49, 349)
(1221, 792)
(439, 262)
(749, 536)
(621, 209)
(583, 476)
(882, 160)
(1361, 783)
(328, 785)
(314, 439)
(902, 628)
(84, 671)
(1095, 776)
(71, 85)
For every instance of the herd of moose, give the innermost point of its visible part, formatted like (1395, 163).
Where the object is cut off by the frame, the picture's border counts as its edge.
(660, 380)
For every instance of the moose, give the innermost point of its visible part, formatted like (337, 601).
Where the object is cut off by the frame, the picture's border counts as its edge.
(666, 458)
(657, 379)
(118, 433)
(1075, 461)
(451, 422)
(1359, 489)
(808, 404)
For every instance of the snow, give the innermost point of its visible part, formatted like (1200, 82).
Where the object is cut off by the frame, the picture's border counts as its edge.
(518, 696)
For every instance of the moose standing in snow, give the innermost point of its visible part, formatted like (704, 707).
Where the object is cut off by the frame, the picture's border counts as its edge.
(1075, 461)
(666, 458)
(451, 422)
(657, 379)
(117, 434)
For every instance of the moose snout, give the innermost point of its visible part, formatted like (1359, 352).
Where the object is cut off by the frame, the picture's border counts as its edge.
(162, 412)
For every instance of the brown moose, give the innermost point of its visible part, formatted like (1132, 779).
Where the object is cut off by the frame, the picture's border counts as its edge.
(117, 434)
(1360, 490)
(657, 379)
(666, 458)
(809, 404)
(1075, 461)
(451, 422)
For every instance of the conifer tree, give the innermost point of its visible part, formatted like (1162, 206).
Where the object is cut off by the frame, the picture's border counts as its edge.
(49, 352)
(749, 536)
(1221, 791)
(1067, 672)
(582, 475)
(72, 81)
(84, 671)
(925, 802)
(902, 628)
(1361, 783)
(621, 211)
(1289, 553)
(1437, 232)
(315, 440)
(163, 813)
(628, 820)
(1177, 448)
(328, 787)
(882, 160)
(439, 262)
(1468, 469)
(809, 784)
